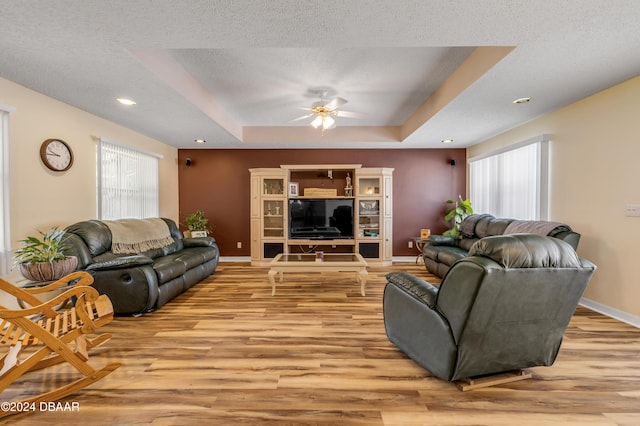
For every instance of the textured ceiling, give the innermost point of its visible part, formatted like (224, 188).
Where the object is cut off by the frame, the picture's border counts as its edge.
(237, 72)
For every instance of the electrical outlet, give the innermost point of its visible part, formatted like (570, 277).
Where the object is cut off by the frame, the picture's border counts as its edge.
(410, 244)
(632, 210)
(239, 244)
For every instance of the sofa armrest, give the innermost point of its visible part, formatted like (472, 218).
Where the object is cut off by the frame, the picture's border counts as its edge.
(133, 289)
(121, 262)
(415, 286)
(199, 242)
(441, 240)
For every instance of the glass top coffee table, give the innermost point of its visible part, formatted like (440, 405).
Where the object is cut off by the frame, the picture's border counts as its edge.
(307, 262)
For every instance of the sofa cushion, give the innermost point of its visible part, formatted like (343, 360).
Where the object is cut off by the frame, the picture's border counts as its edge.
(467, 243)
(95, 234)
(191, 258)
(172, 248)
(441, 240)
(168, 267)
(527, 251)
(201, 254)
(449, 255)
(468, 224)
(497, 226)
(482, 227)
(120, 262)
(199, 242)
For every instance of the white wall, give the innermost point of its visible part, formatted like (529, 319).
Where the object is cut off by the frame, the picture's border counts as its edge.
(595, 171)
(41, 198)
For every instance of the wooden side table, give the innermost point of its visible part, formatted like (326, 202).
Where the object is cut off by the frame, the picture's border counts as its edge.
(15, 277)
(419, 245)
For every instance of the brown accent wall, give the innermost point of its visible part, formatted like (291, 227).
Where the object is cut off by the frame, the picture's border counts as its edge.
(218, 183)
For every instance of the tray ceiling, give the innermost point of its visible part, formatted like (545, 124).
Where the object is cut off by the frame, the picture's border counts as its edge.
(235, 73)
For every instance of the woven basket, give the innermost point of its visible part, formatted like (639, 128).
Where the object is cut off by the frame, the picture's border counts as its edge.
(49, 271)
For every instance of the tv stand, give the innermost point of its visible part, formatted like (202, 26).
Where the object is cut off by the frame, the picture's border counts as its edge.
(271, 188)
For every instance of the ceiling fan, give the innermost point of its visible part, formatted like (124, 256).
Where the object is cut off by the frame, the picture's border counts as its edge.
(323, 113)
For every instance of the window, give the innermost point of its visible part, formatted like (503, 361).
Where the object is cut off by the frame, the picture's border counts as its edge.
(5, 229)
(127, 182)
(512, 182)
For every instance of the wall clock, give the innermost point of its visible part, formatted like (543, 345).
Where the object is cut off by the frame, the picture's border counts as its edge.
(56, 155)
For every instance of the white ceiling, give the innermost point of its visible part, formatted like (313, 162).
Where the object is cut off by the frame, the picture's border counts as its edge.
(236, 72)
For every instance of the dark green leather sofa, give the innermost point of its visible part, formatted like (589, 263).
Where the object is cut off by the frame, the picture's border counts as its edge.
(503, 307)
(145, 281)
(440, 252)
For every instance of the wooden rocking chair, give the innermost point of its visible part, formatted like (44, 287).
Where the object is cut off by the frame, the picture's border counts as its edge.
(41, 335)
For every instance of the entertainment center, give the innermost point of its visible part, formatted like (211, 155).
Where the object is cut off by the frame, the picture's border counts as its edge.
(333, 208)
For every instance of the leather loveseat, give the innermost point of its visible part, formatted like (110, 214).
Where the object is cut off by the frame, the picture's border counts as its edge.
(504, 307)
(141, 282)
(441, 252)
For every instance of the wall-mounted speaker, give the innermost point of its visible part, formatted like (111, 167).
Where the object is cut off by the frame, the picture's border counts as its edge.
(188, 162)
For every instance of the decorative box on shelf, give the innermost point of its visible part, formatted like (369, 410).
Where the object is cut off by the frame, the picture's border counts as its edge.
(320, 192)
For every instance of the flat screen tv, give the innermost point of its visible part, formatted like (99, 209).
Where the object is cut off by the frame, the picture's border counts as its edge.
(321, 218)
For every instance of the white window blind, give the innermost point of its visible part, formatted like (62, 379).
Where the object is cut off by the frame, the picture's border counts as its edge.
(513, 182)
(5, 230)
(127, 182)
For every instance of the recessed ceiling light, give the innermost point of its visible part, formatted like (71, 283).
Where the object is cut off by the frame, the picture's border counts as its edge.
(125, 101)
(522, 101)
(447, 141)
(199, 141)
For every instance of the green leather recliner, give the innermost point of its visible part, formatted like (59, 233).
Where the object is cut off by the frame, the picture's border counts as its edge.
(502, 308)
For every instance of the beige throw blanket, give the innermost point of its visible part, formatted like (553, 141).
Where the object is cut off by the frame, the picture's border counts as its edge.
(132, 236)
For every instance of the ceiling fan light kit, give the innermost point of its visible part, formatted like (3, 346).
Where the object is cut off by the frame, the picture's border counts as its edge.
(324, 121)
(322, 113)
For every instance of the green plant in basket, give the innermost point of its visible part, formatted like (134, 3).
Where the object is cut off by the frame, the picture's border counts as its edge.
(47, 249)
(44, 259)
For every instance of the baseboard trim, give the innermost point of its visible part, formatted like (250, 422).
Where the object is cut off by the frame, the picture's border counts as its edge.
(611, 312)
(235, 259)
(410, 259)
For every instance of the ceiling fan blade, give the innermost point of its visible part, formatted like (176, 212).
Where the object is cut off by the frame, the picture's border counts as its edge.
(301, 118)
(335, 103)
(349, 114)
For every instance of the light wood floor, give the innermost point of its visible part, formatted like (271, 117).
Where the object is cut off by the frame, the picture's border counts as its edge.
(227, 352)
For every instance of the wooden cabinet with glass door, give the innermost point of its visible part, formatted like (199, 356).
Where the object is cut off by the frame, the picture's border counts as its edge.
(374, 213)
(268, 214)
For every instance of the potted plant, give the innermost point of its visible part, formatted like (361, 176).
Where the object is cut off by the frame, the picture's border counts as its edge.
(456, 213)
(43, 259)
(197, 224)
